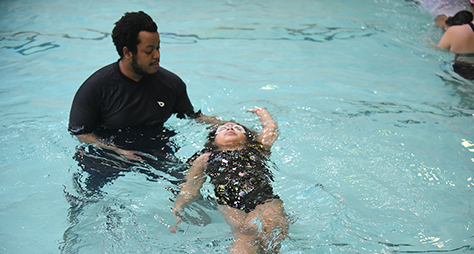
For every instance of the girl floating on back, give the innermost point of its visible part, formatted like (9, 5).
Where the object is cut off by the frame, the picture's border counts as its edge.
(235, 160)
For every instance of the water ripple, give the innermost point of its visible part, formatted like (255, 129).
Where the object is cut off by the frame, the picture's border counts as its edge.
(31, 42)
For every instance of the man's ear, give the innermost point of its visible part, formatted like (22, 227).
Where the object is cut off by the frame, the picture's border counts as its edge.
(127, 53)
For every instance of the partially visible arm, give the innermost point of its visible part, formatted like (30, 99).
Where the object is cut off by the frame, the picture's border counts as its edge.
(458, 39)
(190, 189)
(95, 140)
(208, 119)
(269, 133)
(85, 116)
(446, 40)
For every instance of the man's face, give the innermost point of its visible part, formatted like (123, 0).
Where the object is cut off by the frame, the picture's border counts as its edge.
(147, 59)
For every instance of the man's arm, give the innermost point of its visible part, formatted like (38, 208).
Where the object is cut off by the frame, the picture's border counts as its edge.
(208, 119)
(95, 140)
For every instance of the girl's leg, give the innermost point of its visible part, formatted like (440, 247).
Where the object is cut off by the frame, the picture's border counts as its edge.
(271, 224)
(245, 238)
(260, 231)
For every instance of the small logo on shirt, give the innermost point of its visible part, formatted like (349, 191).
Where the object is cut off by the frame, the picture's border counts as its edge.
(162, 104)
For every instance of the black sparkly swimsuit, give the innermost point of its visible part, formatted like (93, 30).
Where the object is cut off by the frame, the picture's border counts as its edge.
(240, 178)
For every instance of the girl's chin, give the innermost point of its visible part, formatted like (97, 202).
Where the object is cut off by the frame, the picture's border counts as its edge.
(228, 144)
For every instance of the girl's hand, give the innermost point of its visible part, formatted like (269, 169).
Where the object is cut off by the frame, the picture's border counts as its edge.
(178, 215)
(269, 132)
(255, 110)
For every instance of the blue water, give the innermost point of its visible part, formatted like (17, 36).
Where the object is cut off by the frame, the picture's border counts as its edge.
(376, 148)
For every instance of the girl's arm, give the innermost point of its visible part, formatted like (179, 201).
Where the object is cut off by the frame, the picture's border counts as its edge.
(269, 132)
(190, 189)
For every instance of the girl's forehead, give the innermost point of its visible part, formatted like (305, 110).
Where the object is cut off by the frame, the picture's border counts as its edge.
(227, 124)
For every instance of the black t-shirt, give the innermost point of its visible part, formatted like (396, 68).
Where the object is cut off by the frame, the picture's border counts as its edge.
(111, 102)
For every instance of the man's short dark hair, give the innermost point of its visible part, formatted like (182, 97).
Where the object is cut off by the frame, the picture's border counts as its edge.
(125, 32)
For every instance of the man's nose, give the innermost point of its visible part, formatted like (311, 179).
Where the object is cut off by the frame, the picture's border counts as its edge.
(156, 53)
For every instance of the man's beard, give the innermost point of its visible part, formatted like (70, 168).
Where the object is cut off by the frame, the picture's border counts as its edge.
(137, 69)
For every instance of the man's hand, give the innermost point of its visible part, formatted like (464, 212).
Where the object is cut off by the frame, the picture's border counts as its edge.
(94, 140)
(130, 155)
(208, 119)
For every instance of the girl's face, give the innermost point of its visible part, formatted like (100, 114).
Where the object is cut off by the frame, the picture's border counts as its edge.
(229, 134)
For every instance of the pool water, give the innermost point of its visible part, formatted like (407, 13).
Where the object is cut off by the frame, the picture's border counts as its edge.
(376, 147)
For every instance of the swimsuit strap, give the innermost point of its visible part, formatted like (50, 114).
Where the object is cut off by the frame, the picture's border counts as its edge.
(472, 26)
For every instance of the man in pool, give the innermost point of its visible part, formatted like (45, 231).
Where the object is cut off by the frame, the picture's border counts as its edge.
(120, 110)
